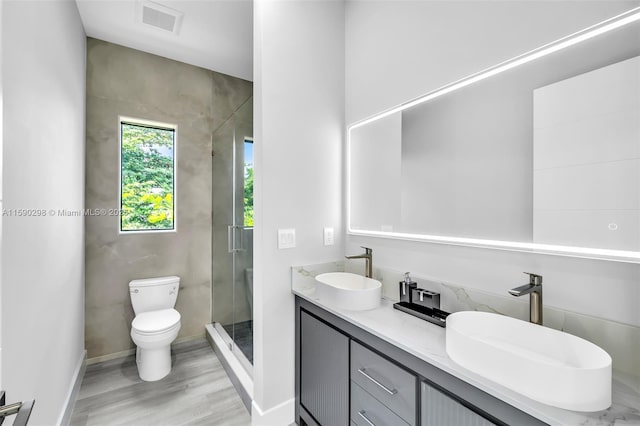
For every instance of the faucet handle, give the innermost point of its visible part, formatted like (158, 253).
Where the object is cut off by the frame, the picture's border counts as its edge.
(534, 279)
(367, 250)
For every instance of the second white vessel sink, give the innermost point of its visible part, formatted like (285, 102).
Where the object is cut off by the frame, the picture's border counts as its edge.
(546, 365)
(348, 291)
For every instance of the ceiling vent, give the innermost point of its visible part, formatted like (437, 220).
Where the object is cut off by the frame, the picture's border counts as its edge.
(158, 16)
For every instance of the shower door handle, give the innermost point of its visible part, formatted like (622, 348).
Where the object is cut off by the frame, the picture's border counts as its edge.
(232, 238)
(240, 239)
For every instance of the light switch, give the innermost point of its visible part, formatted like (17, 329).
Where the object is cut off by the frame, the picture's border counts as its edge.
(328, 236)
(286, 238)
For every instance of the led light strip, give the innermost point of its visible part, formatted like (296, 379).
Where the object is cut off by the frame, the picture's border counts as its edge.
(623, 19)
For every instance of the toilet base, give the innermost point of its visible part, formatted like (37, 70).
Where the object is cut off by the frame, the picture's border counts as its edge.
(153, 364)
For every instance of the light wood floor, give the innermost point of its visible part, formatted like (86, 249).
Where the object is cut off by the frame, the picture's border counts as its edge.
(196, 392)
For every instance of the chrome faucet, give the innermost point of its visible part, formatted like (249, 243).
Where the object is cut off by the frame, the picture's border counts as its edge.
(534, 290)
(368, 259)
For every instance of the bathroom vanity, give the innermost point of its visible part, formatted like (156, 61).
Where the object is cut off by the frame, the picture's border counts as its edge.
(348, 376)
(384, 367)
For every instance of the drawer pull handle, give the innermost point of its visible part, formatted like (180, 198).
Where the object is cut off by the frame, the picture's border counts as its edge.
(363, 371)
(362, 414)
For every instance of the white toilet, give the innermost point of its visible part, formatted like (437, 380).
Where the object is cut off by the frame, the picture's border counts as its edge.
(156, 324)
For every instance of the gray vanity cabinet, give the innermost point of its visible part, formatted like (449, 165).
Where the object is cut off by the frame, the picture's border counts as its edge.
(347, 376)
(438, 409)
(324, 372)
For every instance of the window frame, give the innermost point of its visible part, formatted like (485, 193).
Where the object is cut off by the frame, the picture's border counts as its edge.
(156, 125)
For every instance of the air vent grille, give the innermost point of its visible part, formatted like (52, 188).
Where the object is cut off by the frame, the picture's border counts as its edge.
(159, 16)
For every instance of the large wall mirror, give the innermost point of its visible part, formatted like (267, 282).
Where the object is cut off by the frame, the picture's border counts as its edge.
(540, 153)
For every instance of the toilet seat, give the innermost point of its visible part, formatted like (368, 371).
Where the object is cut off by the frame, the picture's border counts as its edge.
(156, 322)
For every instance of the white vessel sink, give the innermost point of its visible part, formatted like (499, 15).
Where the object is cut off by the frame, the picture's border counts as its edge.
(546, 365)
(348, 291)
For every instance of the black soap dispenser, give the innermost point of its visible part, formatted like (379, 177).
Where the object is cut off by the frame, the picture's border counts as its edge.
(406, 288)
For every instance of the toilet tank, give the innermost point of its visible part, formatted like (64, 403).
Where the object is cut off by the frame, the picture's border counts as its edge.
(152, 294)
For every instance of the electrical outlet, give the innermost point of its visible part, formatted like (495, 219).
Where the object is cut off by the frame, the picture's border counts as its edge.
(328, 236)
(286, 238)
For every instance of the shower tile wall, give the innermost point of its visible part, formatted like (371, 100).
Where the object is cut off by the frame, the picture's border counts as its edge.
(123, 81)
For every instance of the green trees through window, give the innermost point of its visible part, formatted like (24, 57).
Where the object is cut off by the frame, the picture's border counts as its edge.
(147, 177)
(248, 183)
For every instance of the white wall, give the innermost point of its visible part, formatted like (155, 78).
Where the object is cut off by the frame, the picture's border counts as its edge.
(376, 176)
(42, 276)
(298, 134)
(587, 131)
(398, 50)
(1, 197)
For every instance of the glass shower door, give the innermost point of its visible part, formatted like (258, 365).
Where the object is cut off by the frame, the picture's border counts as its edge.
(240, 238)
(232, 235)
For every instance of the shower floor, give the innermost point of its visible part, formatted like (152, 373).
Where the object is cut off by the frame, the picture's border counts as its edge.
(243, 337)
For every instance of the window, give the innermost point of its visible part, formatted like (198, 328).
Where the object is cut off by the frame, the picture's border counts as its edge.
(147, 176)
(248, 183)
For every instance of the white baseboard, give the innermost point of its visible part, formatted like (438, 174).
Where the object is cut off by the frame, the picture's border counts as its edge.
(280, 415)
(74, 390)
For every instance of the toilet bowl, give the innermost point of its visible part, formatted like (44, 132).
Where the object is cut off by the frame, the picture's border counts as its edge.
(155, 325)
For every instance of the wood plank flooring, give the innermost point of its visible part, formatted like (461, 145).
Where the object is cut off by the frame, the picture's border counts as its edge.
(196, 392)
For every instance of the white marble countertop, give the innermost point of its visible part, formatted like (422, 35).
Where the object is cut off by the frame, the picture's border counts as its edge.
(427, 342)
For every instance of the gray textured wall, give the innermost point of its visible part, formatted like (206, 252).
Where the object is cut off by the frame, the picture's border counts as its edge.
(123, 81)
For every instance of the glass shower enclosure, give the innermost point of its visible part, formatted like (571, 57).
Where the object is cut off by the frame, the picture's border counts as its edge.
(232, 233)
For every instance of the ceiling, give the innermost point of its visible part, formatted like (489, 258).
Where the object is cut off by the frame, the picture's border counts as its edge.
(213, 34)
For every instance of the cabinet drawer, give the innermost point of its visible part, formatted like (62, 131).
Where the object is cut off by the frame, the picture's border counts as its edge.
(390, 384)
(368, 411)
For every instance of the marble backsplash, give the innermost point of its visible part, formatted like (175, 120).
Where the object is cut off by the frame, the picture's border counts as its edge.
(621, 341)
